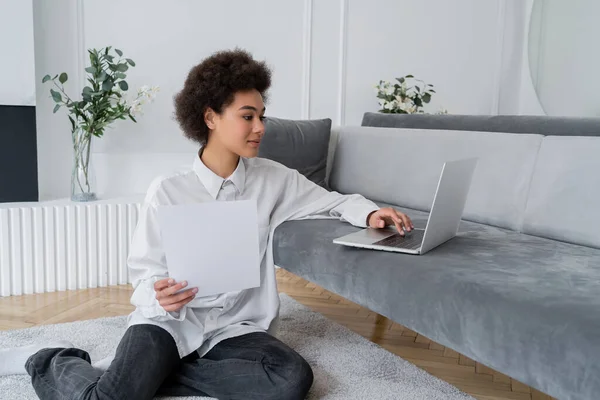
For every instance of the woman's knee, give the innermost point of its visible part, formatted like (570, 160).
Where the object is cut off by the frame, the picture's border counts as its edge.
(145, 345)
(149, 336)
(305, 378)
(298, 378)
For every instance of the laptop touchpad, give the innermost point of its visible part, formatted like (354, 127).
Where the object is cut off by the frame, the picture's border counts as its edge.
(378, 234)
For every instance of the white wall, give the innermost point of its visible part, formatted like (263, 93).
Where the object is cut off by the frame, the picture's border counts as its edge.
(529, 104)
(17, 85)
(55, 42)
(564, 57)
(458, 55)
(326, 56)
(512, 38)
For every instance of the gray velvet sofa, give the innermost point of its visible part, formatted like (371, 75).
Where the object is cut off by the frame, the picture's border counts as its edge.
(519, 288)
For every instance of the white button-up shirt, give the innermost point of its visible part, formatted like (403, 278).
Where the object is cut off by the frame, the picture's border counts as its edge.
(281, 194)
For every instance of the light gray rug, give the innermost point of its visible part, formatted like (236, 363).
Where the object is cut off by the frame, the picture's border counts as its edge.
(346, 365)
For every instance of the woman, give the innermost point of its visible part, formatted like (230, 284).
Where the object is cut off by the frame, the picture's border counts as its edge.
(221, 346)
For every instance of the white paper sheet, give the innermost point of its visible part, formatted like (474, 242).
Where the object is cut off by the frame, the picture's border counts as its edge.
(213, 246)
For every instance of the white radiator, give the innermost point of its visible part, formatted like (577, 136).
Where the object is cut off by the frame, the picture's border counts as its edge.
(56, 247)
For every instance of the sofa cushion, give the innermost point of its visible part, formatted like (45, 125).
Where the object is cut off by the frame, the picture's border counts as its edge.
(523, 305)
(544, 125)
(402, 166)
(298, 144)
(564, 200)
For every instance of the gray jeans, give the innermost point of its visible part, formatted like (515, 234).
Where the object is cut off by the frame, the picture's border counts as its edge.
(147, 364)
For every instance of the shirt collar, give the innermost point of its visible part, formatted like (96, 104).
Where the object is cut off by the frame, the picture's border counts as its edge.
(213, 182)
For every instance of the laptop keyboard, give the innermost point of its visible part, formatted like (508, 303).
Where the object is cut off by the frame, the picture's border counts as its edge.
(412, 240)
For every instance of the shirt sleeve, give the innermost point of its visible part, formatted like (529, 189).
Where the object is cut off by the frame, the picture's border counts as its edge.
(304, 199)
(147, 264)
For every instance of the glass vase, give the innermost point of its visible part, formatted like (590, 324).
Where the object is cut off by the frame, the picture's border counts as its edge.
(83, 183)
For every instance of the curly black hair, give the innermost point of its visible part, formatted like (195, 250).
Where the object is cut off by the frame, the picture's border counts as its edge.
(213, 83)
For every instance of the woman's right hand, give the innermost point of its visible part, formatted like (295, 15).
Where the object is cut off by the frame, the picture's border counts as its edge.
(168, 298)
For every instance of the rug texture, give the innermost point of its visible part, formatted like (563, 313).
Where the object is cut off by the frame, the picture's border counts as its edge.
(346, 365)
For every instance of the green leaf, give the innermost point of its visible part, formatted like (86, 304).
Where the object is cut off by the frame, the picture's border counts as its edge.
(63, 77)
(433, 91)
(55, 95)
(122, 67)
(72, 123)
(91, 70)
(426, 97)
(46, 78)
(120, 75)
(123, 85)
(409, 76)
(418, 89)
(102, 76)
(119, 52)
(110, 58)
(107, 85)
(130, 61)
(401, 80)
(86, 94)
(56, 107)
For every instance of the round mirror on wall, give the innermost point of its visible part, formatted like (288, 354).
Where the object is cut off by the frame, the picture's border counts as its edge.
(564, 56)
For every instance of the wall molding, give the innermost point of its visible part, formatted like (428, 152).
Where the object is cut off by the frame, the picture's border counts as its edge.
(343, 36)
(81, 49)
(541, 48)
(307, 58)
(529, 102)
(500, 33)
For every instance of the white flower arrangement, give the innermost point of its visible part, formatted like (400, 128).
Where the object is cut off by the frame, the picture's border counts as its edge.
(404, 97)
(145, 95)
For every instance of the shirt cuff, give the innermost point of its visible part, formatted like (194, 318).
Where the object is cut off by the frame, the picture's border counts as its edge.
(144, 299)
(356, 214)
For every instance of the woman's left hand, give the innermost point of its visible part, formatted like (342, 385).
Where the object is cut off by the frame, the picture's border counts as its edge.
(388, 216)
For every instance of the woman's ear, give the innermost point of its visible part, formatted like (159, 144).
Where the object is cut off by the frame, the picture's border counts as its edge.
(209, 118)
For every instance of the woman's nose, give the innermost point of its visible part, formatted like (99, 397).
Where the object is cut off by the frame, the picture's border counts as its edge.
(259, 127)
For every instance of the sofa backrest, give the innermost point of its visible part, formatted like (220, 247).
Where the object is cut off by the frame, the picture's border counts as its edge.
(564, 197)
(402, 166)
(543, 125)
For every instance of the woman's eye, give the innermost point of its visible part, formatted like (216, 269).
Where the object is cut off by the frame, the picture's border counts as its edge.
(249, 117)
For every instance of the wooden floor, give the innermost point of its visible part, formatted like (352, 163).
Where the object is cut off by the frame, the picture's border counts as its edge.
(474, 378)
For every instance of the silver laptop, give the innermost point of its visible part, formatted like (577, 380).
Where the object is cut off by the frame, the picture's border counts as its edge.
(442, 224)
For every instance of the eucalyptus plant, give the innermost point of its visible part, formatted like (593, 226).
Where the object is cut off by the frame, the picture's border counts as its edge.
(101, 103)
